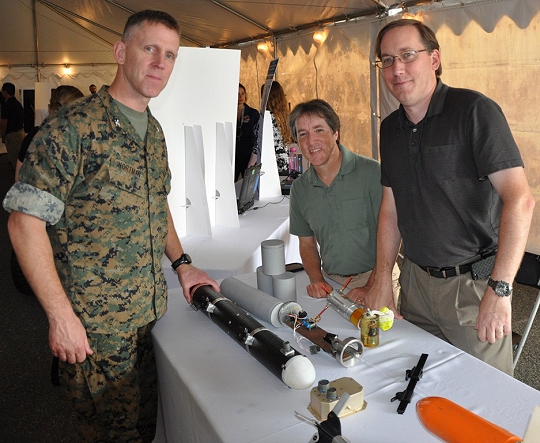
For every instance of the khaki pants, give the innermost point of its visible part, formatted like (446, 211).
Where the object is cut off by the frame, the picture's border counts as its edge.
(448, 308)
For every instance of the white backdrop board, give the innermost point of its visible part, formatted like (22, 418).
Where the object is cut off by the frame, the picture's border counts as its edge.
(202, 90)
(225, 199)
(269, 184)
(197, 215)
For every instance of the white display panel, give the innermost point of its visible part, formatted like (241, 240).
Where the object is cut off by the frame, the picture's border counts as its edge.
(225, 200)
(202, 90)
(197, 215)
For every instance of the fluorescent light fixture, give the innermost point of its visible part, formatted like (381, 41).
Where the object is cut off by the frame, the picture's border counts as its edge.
(394, 10)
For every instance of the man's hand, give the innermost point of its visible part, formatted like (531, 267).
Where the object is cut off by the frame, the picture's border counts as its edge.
(316, 289)
(309, 252)
(190, 276)
(67, 338)
(378, 296)
(494, 317)
(358, 295)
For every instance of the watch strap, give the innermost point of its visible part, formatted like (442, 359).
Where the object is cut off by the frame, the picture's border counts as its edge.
(183, 259)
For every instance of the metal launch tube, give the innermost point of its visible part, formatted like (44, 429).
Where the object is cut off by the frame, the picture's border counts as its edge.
(293, 368)
(346, 308)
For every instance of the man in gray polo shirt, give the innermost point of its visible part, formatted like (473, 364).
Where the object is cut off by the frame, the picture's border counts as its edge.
(335, 204)
(453, 186)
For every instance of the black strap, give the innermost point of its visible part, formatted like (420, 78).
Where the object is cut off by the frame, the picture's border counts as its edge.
(451, 271)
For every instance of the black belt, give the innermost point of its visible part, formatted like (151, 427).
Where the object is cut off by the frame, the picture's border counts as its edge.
(451, 271)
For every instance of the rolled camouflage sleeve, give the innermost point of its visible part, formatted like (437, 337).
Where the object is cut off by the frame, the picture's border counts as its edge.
(30, 200)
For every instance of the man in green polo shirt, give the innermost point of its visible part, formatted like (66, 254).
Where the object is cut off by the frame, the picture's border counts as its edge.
(335, 204)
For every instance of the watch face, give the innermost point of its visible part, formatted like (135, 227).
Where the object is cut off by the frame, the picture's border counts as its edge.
(501, 288)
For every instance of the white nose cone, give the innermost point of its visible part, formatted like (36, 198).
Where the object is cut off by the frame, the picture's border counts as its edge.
(298, 373)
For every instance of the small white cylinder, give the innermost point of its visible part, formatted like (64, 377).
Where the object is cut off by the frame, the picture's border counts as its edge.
(264, 282)
(273, 257)
(284, 286)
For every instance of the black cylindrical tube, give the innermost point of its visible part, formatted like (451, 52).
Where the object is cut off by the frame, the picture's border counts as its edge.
(293, 368)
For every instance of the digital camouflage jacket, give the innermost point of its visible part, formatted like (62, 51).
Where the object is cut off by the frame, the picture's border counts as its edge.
(103, 193)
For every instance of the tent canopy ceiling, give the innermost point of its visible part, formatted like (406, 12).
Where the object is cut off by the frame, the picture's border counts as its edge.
(48, 32)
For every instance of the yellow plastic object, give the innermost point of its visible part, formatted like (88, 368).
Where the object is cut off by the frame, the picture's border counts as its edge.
(455, 424)
(386, 318)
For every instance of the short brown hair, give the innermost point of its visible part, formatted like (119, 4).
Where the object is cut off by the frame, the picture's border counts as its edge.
(318, 108)
(149, 16)
(426, 35)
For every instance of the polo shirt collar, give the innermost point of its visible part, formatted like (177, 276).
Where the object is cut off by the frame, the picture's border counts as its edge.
(435, 107)
(347, 161)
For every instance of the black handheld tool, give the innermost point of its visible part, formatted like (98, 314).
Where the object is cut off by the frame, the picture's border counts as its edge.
(413, 375)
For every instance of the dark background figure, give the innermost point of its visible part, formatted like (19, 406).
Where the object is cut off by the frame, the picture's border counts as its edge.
(92, 88)
(247, 119)
(60, 96)
(12, 123)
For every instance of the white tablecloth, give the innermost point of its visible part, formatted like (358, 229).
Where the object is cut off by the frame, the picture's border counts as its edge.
(233, 251)
(213, 391)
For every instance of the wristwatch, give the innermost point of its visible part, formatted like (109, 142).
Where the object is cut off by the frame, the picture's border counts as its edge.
(184, 259)
(501, 288)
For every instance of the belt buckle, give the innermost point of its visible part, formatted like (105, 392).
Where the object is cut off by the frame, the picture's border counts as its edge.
(430, 270)
(443, 272)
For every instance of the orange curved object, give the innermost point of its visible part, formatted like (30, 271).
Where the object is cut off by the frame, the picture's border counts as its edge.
(455, 424)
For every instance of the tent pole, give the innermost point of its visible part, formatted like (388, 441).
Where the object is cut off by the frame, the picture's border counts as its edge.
(36, 43)
(374, 97)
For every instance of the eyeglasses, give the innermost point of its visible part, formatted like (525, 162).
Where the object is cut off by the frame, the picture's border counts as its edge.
(408, 56)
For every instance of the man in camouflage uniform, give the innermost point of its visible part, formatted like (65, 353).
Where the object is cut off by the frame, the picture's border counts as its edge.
(96, 181)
